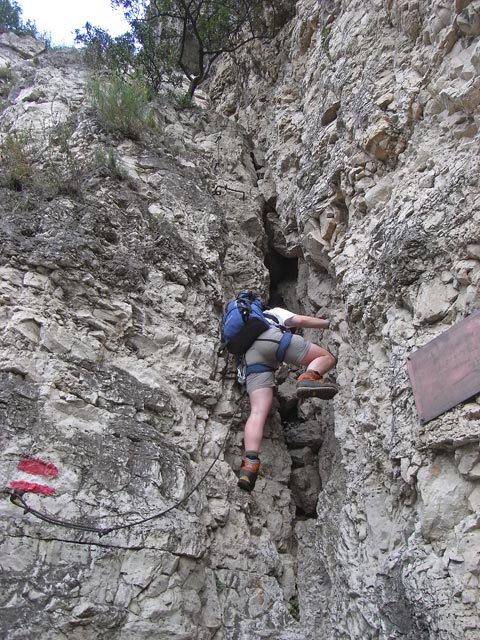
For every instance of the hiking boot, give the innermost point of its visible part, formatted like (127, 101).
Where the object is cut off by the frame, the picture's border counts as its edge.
(248, 474)
(312, 385)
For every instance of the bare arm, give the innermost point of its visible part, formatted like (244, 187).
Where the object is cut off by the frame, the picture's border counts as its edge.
(307, 322)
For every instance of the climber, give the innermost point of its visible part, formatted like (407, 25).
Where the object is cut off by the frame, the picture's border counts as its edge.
(260, 385)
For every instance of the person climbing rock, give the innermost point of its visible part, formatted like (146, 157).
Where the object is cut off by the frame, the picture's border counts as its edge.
(263, 355)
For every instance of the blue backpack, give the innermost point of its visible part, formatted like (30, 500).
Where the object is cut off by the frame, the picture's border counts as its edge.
(243, 321)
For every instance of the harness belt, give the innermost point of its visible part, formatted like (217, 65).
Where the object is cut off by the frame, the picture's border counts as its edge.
(279, 355)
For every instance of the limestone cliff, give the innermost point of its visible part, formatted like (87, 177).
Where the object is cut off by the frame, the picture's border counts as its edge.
(368, 117)
(337, 165)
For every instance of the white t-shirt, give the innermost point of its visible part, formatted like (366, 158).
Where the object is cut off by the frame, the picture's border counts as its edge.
(281, 314)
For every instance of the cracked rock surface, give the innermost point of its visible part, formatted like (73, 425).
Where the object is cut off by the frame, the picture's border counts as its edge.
(338, 166)
(367, 115)
(114, 403)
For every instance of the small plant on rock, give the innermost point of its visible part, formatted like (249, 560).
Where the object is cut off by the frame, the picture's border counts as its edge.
(60, 172)
(16, 154)
(6, 77)
(44, 164)
(105, 162)
(6, 72)
(184, 101)
(326, 35)
(121, 105)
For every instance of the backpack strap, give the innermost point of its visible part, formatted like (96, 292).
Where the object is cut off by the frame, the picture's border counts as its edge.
(245, 308)
(271, 317)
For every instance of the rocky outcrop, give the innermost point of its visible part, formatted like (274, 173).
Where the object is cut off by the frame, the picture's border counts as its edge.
(116, 259)
(338, 166)
(367, 116)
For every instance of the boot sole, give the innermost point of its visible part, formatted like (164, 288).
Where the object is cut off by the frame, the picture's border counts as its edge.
(245, 485)
(324, 392)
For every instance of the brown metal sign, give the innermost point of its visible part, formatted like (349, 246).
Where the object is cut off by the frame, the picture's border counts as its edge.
(446, 371)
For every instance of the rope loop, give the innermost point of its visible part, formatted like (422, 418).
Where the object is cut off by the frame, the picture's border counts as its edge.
(16, 498)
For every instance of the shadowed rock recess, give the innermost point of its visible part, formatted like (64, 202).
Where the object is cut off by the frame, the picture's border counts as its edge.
(337, 166)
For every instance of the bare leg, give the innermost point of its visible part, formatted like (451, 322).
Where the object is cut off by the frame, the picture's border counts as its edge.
(260, 405)
(319, 359)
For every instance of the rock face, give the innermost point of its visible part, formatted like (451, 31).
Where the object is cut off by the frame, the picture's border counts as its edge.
(337, 165)
(116, 259)
(367, 115)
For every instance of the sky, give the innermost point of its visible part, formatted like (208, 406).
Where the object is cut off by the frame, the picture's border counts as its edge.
(60, 18)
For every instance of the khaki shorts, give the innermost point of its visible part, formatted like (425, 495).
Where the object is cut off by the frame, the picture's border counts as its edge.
(263, 351)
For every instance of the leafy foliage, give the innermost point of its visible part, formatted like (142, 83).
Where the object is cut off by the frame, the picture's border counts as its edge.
(169, 36)
(11, 19)
(103, 51)
(138, 54)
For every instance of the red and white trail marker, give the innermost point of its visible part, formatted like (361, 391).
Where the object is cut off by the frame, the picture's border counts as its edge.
(28, 467)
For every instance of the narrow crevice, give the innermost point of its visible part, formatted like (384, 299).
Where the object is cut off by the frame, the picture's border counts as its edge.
(289, 413)
(301, 515)
(283, 272)
(301, 438)
(283, 269)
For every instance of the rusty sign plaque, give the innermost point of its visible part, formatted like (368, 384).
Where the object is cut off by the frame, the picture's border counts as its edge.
(446, 371)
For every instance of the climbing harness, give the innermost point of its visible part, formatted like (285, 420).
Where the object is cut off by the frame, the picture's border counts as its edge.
(283, 345)
(245, 320)
(16, 498)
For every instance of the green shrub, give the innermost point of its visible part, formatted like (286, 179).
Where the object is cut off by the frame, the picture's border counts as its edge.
(6, 72)
(326, 35)
(44, 165)
(184, 101)
(105, 162)
(16, 153)
(121, 105)
(102, 51)
(59, 136)
(6, 78)
(58, 171)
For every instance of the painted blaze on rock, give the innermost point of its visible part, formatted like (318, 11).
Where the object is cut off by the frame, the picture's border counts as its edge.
(35, 467)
